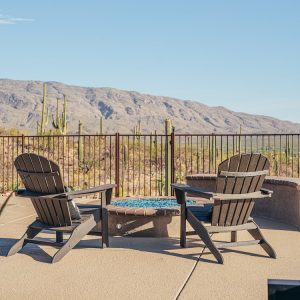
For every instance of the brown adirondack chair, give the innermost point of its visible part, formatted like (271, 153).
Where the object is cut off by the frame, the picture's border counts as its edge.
(55, 207)
(239, 185)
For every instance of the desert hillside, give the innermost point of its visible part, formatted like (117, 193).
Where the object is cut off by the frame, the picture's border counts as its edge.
(20, 103)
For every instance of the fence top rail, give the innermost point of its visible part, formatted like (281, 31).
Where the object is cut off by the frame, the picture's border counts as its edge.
(237, 134)
(142, 134)
(56, 135)
(83, 135)
(159, 135)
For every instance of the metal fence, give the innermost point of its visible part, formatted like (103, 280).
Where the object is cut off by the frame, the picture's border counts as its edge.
(144, 164)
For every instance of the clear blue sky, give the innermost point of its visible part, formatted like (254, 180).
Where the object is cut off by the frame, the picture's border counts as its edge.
(244, 55)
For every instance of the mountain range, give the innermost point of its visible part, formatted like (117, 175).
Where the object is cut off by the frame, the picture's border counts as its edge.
(21, 106)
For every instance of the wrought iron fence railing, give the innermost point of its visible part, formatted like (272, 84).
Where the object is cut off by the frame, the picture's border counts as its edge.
(144, 164)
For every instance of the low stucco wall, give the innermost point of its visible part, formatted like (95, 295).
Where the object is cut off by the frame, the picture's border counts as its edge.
(284, 205)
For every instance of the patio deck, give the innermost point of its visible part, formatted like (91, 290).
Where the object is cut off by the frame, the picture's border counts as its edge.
(141, 268)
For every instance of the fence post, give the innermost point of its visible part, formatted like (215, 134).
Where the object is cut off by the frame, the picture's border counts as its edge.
(22, 143)
(172, 158)
(168, 159)
(117, 164)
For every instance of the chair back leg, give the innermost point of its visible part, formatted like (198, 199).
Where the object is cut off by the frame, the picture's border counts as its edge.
(29, 234)
(233, 236)
(257, 235)
(59, 236)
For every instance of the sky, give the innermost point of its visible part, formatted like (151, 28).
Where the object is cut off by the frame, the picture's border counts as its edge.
(240, 54)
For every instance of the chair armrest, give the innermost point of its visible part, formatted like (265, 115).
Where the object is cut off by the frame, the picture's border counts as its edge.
(192, 190)
(68, 195)
(263, 193)
(29, 194)
(81, 193)
(266, 192)
(77, 194)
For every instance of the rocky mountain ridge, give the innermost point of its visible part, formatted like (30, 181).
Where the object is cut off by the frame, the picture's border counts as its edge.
(21, 106)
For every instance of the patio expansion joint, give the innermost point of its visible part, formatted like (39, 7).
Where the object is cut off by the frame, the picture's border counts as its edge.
(181, 289)
(2, 207)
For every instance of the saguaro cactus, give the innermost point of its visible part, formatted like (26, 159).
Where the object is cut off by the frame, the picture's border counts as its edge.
(125, 155)
(80, 142)
(41, 125)
(238, 144)
(101, 126)
(60, 123)
(85, 165)
(38, 128)
(137, 129)
(212, 151)
(137, 132)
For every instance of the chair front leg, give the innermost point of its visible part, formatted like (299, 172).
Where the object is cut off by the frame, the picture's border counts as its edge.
(183, 226)
(76, 236)
(180, 197)
(104, 219)
(204, 236)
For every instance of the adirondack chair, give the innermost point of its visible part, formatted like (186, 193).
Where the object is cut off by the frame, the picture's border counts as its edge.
(238, 186)
(55, 207)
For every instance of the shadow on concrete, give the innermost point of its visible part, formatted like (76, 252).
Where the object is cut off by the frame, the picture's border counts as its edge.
(245, 252)
(34, 251)
(161, 246)
(166, 246)
(272, 224)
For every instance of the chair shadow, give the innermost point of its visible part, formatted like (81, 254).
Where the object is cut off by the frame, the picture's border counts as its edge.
(245, 253)
(166, 247)
(228, 250)
(32, 250)
(37, 253)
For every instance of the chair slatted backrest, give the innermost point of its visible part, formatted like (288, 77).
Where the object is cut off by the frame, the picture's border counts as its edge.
(42, 176)
(39, 174)
(240, 174)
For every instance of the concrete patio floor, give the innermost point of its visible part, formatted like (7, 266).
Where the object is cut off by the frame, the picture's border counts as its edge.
(141, 268)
